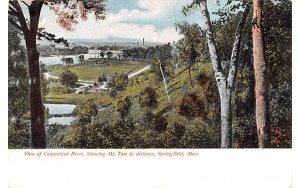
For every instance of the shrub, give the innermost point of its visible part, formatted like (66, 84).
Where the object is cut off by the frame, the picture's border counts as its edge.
(87, 110)
(281, 137)
(190, 106)
(200, 135)
(148, 98)
(160, 123)
(123, 106)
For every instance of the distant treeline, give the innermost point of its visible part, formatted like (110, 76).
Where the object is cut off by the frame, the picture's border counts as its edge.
(50, 50)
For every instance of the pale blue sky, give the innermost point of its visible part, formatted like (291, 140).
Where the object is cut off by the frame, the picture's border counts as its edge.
(153, 20)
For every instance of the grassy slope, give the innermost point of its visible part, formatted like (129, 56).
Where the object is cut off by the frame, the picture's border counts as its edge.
(178, 86)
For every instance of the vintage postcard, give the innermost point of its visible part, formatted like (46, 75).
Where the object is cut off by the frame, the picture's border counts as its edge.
(149, 79)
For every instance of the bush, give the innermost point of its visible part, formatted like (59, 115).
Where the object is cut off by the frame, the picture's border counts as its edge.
(200, 135)
(190, 106)
(148, 98)
(123, 106)
(160, 123)
(245, 136)
(281, 137)
(87, 110)
(68, 78)
(118, 82)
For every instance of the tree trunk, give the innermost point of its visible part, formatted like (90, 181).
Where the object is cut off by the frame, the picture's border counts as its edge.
(224, 82)
(189, 69)
(38, 134)
(164, 80)
(220, 78)
(226, 120)
(261, 75)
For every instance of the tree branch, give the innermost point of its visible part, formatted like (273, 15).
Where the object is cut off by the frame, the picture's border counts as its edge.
(15, 24)
(212, 47)
(25, 3)
(12, 11)
(19, 14)
(236, 46)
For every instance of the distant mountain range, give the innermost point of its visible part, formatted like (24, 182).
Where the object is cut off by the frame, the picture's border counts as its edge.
(111, 41)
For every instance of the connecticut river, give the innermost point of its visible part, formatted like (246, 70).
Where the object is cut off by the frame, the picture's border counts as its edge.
(60, 109)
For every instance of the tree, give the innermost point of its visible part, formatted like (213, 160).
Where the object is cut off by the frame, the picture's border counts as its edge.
(109, 54)
(68, 61)
(87, 110)
(225, 79)
(118, 82)
(148, 98)
(68, 78)
(102, 54)
(261, 78)
(81, 58)
(123, 107)
(67, 16)
(164, 54)
(192, 48)
(278, 57)
(18, 92)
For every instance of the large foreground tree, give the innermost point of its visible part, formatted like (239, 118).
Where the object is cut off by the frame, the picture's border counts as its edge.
(224, 70)
(68, 11)
(261, 77)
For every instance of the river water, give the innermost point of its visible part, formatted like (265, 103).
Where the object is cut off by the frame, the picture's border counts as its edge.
(61, 109)
(52, 60)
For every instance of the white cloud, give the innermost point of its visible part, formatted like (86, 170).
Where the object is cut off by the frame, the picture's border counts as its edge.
(102, 30)
(147, 9)
(121, 24)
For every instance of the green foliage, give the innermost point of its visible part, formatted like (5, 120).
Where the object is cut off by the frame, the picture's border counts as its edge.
(123, 106)
(200, 135)
(278, 49)
(18, 93)
(160, 123)
(59, 89)
(118, 82)
(68, 78)
(87, 110)
(148, 98)
(19, 132)
(278, 40)
(164, 54)
(192, 48)
(75, 137)
(104, 132)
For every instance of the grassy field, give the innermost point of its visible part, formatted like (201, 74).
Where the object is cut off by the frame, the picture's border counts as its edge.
(92, 72)
(72, 98)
